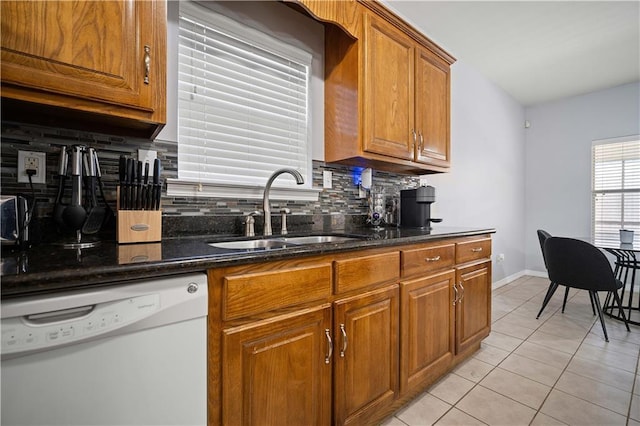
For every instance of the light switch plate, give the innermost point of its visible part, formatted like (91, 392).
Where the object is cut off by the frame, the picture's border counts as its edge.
(327, 179)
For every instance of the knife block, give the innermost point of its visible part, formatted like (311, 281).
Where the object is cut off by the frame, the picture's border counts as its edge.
(138, 226)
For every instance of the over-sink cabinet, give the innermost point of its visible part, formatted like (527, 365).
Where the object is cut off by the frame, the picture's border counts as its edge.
(343, 338)
(86, 63)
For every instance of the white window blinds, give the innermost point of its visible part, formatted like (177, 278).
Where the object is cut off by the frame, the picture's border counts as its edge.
(242, 103)
(616, 188)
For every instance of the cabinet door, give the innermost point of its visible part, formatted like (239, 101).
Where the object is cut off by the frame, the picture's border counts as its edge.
(366, 354)
(389, 91)
(427, 329)
(72, 53)
(432, 109)
(275, 371)
(473, 309)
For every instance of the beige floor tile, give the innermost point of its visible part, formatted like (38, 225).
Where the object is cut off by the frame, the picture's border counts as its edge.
(491, 354)
(543, 354)
(632, 422)
(456, 417)
(532, 307)
(393, 421)
(636, 386)
(544, 420)
(473, 369)
(608, 357)
(506, 302)
(495, 409)
(425, 410)
(532, 369)
(523, 321)
(593, 391)
(628, 348)
(451, 388)
(502, 341)
(514, 386)
(575, 411)
(566, 328)
(505, 327)
(603, 373)
(634, 413)
(569, 346)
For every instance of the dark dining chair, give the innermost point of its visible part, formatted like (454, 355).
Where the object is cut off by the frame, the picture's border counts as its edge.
(578, 264)
(542, 237)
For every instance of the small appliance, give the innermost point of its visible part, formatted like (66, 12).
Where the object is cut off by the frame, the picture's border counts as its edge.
(415, 207)
(14, 220)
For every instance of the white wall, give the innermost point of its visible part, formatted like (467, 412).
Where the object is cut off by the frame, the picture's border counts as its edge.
(558, 160)
(485, 187)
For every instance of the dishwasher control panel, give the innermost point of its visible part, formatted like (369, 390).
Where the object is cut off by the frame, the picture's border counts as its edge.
(50, 329)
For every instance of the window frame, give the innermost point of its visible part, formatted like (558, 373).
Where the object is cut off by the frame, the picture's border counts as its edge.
(604, 237)
(189, 187)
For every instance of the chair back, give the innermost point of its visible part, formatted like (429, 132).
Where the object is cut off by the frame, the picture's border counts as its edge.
(578, 264)
(542, 237)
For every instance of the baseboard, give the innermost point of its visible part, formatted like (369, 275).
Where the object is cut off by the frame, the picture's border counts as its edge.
(517, 275)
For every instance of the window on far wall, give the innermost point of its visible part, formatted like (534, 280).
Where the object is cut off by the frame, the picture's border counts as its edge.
(242, 103)
(615, 188)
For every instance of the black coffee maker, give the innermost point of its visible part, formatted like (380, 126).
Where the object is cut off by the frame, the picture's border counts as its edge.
(415, 207)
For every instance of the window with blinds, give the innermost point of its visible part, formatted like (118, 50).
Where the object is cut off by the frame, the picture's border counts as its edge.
(616, 188)
(242, 103)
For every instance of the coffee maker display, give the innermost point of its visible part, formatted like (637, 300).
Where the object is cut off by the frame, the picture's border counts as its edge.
(415, 207)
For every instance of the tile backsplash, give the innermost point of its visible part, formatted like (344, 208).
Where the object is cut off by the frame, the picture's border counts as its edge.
(342, 199)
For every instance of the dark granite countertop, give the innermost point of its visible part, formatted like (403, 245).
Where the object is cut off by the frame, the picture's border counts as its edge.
(49, 268)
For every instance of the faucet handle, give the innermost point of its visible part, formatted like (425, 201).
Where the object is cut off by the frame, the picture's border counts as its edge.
(249, 221)
(285, 211)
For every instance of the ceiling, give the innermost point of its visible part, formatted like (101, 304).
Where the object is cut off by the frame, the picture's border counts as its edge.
(536, 51)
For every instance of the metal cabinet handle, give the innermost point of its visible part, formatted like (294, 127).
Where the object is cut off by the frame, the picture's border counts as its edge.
(476, 250)
(455, 299)
(421, 144)
(147, 64)
(432, 259)
(344, 340)
(327, 333)
(461, 294)
(413, 132)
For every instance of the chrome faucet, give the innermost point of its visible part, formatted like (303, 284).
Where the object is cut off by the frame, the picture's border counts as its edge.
(266, 207)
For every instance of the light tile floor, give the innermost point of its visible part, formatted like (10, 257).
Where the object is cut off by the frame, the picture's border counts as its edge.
(557, 370)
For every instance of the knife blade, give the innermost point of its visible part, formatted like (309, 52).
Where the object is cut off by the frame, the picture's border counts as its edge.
(138, 185)
(128, 179)
(122, 171)
(145, 187)
(156, 185)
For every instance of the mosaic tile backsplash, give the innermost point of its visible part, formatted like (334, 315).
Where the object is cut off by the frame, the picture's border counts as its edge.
(181, 215)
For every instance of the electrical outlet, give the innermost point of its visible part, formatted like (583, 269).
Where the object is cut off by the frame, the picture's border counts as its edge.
(145, 155)
(32, 160)
(500, 258)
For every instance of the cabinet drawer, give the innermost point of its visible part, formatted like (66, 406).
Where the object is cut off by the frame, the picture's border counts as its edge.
(473, 250)
(364, 271)
(427, 259)
(248, 294)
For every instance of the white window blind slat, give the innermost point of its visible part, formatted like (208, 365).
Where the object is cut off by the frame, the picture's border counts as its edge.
(242, 102)
(615, 189)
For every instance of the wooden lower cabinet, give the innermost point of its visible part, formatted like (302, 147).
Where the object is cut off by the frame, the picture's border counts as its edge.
(427, 329)
(333, 339)
(365, 355)
(274, 371)
(473, 308)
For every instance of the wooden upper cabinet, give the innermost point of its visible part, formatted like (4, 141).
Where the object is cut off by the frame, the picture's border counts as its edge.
(389, 92)
(106, 58)
(386, 96)
(432, 109)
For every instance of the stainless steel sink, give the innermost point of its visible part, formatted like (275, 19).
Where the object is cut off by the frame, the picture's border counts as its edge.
(250, 244)
(318, 239)
(280, 242)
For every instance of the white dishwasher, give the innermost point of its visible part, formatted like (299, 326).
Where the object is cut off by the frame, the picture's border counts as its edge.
(131, 354)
